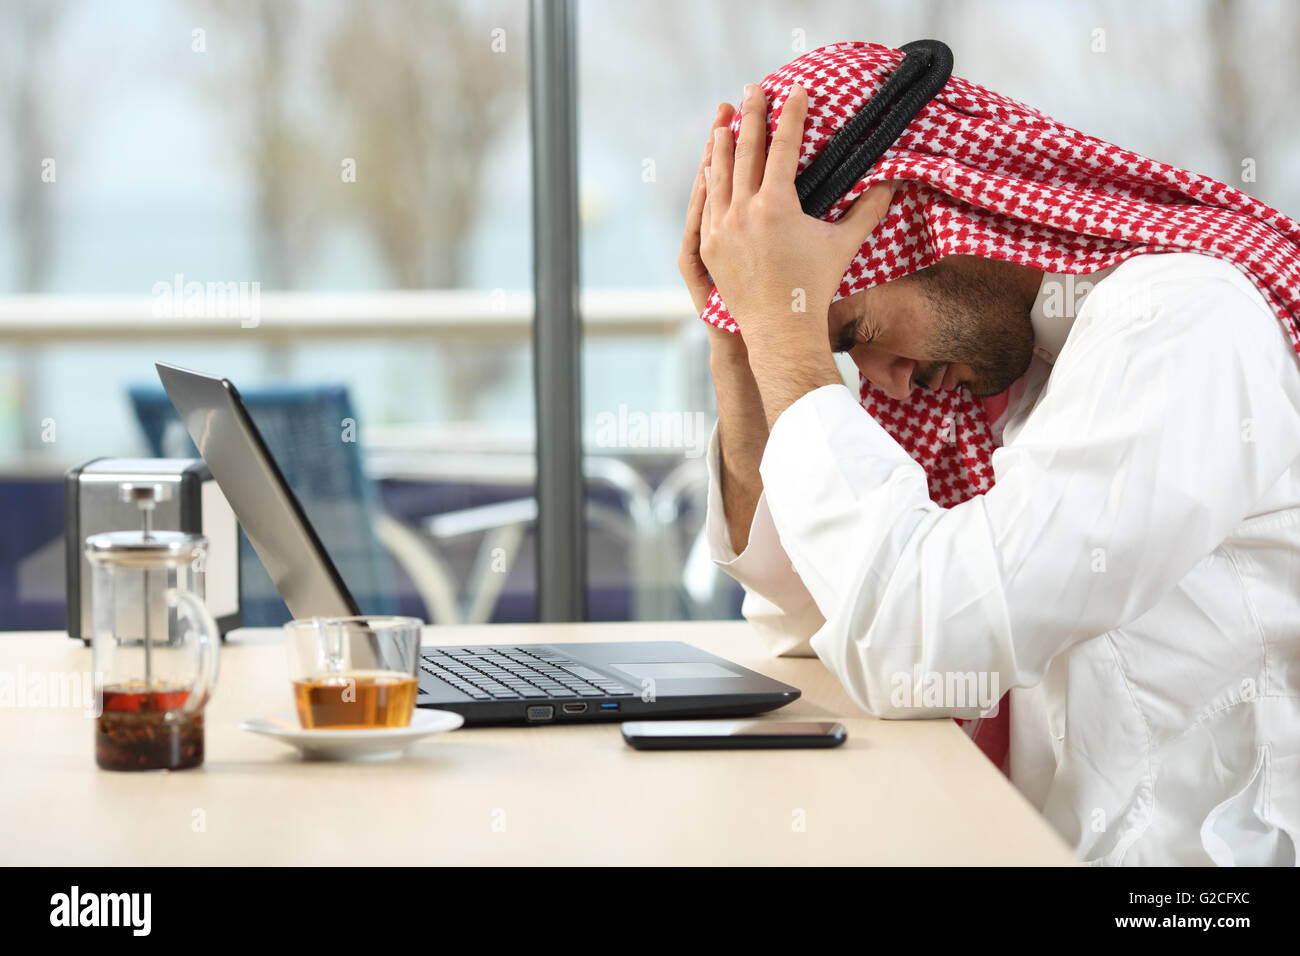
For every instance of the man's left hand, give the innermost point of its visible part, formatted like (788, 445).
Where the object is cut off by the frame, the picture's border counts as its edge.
(777, 268)
(774, 265)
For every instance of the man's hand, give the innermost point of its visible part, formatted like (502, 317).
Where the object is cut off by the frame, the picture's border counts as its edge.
(742, 426)
(689, 263)
(777, 268)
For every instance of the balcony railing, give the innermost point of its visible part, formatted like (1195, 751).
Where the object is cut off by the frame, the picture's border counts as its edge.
(450, 315)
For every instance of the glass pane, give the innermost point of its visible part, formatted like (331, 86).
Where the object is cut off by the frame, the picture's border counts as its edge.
(300, 197)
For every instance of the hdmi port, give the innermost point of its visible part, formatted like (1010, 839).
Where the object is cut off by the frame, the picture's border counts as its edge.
(580, 708)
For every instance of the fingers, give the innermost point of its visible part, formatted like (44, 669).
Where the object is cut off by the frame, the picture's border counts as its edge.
(783, 154)
(695, 207)
(726, 112)
(751, 143)
(691, 234)
(721, 118)
(866, 213)
(706, 213)
(719, 176)
(689, 262)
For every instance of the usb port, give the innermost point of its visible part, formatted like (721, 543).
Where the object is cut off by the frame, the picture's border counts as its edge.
(613, 705)
(578, 708)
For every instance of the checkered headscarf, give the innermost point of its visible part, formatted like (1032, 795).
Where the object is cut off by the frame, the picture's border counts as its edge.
(984, 175)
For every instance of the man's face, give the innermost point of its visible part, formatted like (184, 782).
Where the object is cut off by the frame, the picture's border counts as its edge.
(963, 321)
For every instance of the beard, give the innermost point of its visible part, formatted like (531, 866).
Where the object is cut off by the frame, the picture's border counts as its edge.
(980, 321)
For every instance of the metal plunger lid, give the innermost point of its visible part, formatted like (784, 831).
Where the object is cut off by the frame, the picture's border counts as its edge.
(145, 548)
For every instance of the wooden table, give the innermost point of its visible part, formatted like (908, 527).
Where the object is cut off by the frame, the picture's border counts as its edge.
(898, 792)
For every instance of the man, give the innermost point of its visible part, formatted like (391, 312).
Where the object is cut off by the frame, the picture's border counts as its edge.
(1074, 473)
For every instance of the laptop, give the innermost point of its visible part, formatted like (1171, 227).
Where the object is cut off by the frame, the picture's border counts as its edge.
(493, 684)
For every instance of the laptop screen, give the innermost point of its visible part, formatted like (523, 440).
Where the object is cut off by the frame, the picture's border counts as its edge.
(266, 507)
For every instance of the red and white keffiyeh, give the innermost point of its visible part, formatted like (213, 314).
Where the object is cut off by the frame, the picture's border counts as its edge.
(985, 175)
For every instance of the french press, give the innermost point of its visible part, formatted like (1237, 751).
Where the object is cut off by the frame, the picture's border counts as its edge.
(154, 643)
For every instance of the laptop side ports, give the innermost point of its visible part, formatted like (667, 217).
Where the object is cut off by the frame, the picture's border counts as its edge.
(577, 707)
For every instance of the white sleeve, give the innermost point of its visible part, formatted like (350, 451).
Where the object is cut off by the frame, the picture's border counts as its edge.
(776, 603)
(1136, 463)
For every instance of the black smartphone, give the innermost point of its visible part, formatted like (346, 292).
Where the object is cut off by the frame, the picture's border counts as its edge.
(731, 734)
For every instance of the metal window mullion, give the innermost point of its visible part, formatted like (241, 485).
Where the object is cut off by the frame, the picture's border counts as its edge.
(557, 329)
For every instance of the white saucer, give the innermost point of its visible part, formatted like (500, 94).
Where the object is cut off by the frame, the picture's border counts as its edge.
(378, 744)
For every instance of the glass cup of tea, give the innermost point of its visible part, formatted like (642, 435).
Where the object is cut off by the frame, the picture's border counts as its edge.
(353, 673)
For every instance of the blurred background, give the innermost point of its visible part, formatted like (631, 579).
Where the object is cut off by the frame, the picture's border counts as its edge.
(357, 173)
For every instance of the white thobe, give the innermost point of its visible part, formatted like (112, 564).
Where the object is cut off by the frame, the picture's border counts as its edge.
(1132, 577)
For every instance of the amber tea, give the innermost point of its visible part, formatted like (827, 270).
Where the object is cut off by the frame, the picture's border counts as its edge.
(358, 700)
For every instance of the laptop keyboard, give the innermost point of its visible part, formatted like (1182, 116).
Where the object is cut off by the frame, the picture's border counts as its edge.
(517, 673)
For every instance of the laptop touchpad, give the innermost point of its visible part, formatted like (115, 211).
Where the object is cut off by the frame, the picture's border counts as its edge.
(684, 670)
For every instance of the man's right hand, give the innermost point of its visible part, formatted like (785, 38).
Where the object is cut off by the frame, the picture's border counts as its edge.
(742, 425)
(689, 263)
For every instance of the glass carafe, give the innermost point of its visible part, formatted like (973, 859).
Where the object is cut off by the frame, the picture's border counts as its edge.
(155, 644)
